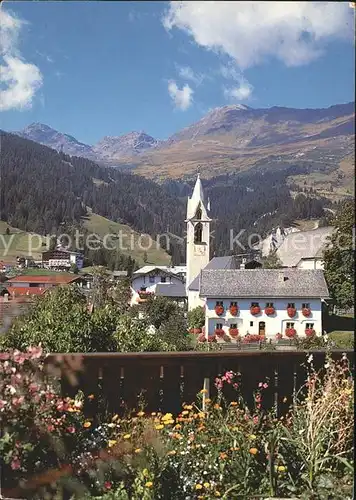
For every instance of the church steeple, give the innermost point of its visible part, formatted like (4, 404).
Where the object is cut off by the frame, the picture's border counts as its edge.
(198, 232)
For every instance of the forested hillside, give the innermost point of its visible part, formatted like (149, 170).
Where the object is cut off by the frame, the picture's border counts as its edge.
(45, 191)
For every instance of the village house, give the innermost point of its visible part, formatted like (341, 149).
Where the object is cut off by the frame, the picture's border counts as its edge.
(263, 302)
(158, 281)
(37, 285)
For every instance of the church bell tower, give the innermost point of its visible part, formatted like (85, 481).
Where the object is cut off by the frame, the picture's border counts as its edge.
(198, 232)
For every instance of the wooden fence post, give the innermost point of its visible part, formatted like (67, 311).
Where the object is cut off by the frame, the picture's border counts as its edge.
(206, 392)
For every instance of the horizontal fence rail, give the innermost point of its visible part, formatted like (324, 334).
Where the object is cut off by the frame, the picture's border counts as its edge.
(117, 382)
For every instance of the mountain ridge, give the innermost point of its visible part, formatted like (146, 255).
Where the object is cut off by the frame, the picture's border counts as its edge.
(230, 138)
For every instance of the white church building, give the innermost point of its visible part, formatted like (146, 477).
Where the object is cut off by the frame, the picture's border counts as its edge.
(244, 301)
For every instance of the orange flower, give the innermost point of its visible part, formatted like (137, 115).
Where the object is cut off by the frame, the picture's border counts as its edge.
(253, 451)
(223, 455)
(233, 403)
(217, 406)
(87, 424)
(91, 396)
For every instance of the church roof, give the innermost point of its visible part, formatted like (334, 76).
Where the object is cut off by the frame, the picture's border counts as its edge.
(227, 262)
(260, 283)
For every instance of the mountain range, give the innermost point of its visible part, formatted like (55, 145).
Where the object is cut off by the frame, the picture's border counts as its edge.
(228, 139)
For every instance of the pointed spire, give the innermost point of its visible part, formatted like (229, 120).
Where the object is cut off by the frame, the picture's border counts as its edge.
(198, 193)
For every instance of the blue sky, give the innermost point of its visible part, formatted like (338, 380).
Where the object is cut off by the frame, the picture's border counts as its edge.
(92, 69)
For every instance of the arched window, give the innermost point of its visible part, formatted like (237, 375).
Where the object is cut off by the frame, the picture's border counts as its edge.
(198, 233)
(199, 213)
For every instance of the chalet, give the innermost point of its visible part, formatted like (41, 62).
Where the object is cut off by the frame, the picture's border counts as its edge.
(263, 302)
(61, 259)
(304, 249)
(158, 280)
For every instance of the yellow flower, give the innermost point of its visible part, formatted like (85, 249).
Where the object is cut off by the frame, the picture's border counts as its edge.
(145, 472)
(138, 450)
(153, 414)
(112, 442)
(167, 422)
(127, 436)
(140, 413)
(177, 426)
(188, 407)
(207, 401)
(235, 429)
(282, 468)
(185, 412)
(252, 436)
(198, 487)
(159, 427)
(206, 485)
(201, 415)
(87, 424)
(217, 493)
(233, 403)
(167, 416)
(204, 391)
(253, 451)
(149, 484)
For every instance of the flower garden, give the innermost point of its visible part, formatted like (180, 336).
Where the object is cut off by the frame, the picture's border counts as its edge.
(218, 448)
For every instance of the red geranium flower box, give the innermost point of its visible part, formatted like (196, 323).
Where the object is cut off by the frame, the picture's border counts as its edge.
(234, 332)
(291, 311)
(269, 311)
(219, 310)
(306, 311)
(211, 338)
(255, 310)
(202, 338)
(219, 332)
(252, 338)
(291, 332)
(310, 332)
(234, 310)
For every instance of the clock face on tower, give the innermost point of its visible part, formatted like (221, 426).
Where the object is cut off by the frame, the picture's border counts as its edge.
(199, 249)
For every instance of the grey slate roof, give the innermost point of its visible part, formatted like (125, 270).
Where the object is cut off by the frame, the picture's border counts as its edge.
(228, 262)
(303, 245)
(260, 283)
(171, 290)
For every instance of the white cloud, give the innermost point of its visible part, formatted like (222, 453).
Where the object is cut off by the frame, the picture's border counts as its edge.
(19, 79)
(296, 33)
(182, 98)
(187, 73)
(240, 92)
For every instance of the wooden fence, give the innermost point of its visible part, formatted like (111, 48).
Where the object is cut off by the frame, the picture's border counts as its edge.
(115, 381)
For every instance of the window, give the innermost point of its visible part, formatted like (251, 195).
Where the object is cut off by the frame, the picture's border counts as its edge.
(199, 213)
(198, 233)
(306, 305)
(251, 323)
(151, 279)
(163, 279)
(269, 304)
(219, 303)
(255, 304)
(291, 304)
(290, 325)
(233, 325)
(219, 326)
(233, 304)
(309, 325)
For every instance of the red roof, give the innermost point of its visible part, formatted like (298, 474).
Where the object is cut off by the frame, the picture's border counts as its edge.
(25, 290)
(55, 279)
